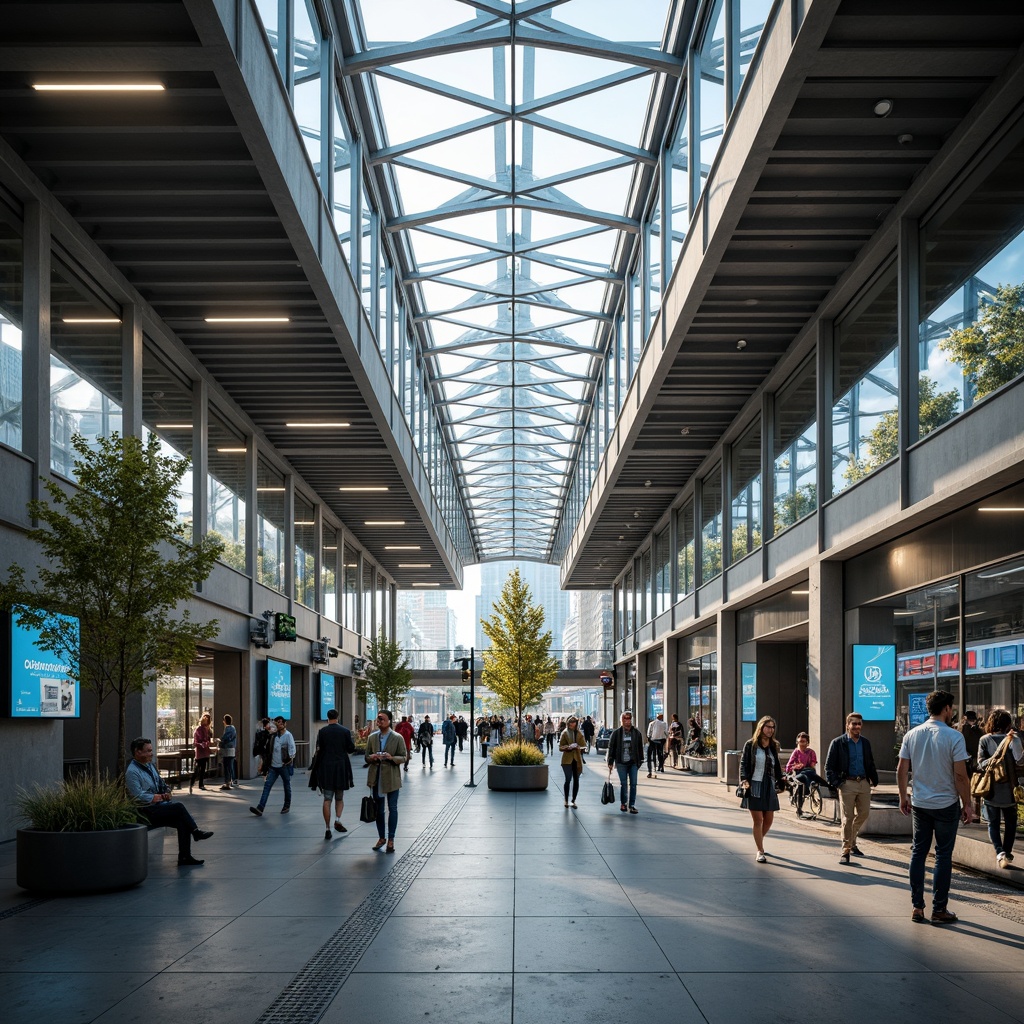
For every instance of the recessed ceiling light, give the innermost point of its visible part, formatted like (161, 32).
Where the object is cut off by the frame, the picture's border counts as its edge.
(799, 591)
(354, 489)
(882, 108)
(271, 490)
(383, 522)
(246, 319)
(414, 565)
(402, 547)
(317, 423)
(330, 547)
(90, 320)
(304, 522)
(98, 87)
(232, 451)
(173, 426)
(685, 431)
(426, 584)
(741, 344)
(998, 508)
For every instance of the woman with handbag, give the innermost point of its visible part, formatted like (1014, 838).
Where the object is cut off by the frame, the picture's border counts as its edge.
(1000, 754)
(761, 778)
(571, 744)
(201, 740)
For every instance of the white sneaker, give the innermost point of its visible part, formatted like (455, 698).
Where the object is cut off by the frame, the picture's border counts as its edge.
(761, 859)
(1001, 861)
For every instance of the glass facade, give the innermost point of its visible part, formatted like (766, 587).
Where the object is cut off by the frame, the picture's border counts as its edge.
(226, 489)
(12, 287)
(745, 510)
(711, 525)
(270, 518)
(795, 449)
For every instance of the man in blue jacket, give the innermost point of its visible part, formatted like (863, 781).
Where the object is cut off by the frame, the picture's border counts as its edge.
(450, 736)
(850, 769)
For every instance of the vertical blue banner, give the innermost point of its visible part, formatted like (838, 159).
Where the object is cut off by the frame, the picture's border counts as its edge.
(279, 689)
(326, 694)
(918, 708)
(748, 689)
(874, 682)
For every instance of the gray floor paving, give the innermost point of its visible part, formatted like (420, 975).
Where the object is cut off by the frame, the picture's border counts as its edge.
(503, 908)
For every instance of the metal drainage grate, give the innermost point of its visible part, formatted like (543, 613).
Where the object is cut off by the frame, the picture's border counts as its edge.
(306, 997)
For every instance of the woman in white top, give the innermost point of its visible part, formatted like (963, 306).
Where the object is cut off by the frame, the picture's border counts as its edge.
(761, 776)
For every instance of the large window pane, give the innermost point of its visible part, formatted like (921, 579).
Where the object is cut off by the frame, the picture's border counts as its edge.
(12, 280)
(795, 449)
(369, 577)
(972, 297)
(685, 538)
(350, 597)
(85, 365)
(307, 57)
(226, 490)
(167, 412)
(654, 281)
(711, 115)
(711, 525)
(662, 573)
(865, 425)
(679, 182)
(746, 493)
(270, 553)
(342, 190)
(305, 553)
(329, 572)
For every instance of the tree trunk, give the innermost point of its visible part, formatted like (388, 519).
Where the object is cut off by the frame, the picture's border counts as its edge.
(96, 742)
(121, 713)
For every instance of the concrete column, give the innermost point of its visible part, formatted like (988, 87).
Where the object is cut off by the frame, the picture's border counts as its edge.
(826, 689)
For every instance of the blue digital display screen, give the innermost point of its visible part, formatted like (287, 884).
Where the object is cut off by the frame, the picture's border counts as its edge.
(918, 708)
(874, 682)
(41, 681)
(748, 684)
(279, 689)
(327, 693)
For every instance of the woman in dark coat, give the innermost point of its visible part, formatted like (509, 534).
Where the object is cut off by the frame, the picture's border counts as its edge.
(761, 776)
(333, 772)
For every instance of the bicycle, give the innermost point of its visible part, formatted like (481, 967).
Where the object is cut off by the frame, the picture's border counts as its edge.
(813, 799)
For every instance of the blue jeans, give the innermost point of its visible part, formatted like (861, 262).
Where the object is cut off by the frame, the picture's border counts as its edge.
(230, 770)
(392, 802)
(942, 825)
(273, 775)
(627, 771)
(1009, 820)
(449, 748)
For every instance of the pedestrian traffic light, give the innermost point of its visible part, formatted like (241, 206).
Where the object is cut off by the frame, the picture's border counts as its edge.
(465, 670)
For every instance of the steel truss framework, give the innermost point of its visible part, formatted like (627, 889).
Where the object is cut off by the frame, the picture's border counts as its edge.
(515, 147)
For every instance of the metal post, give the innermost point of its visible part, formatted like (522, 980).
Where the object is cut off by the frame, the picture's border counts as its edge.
(472, 711)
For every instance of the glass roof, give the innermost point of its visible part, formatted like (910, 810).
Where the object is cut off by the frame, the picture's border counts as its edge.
(511, 134)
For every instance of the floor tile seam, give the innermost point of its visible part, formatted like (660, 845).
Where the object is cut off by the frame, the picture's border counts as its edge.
(370, 911)
(20, 908)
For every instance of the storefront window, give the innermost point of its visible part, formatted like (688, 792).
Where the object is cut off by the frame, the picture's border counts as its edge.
(270, 502)
(702, 693)
(227, 487)
(795, 449)
(711, 526)
(305, 553)
(746, 494)
(994, 633)
(12, 283)
(865, 424)
(972, 297)
(85, 366)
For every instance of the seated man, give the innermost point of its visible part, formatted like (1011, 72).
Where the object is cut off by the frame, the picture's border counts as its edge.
(156, 805)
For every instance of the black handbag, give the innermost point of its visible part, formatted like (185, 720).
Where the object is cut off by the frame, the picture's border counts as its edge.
(741, 791)
(368, 809)
(607, 793)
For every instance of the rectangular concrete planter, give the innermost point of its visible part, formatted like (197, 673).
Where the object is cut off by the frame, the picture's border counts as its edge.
(517, 776)
(702, 765)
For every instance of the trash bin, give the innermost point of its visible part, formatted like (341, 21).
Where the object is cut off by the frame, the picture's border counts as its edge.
(732, 768)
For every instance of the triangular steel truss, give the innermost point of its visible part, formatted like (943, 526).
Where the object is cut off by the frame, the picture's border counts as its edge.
(511, 142)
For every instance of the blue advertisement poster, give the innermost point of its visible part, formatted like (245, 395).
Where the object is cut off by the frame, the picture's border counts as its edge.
(279, 689)
(748, 682)
(874, 682)
(326, 694)
(41, 683)
(918, 708)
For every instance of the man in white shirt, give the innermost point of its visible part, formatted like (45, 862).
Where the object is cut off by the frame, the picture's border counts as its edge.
(657, 731)
(941, 800)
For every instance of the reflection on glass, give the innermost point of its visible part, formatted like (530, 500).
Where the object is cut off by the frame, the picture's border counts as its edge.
(350, 594)
(686, 539)
(307, 57)
(662, 573)
(679, 183)
(341, 203)
(226, 490)
(329, 572)
(167, 413)
(711, 525)
(270, 501)
(305, 553)
(711, 113)
(367, 253)
(746, 492)
(11, 295)
(795, 450)
(654, 264)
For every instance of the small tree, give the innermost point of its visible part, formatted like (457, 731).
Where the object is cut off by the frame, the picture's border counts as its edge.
(118, 561)
(518, 667)
(387, 676)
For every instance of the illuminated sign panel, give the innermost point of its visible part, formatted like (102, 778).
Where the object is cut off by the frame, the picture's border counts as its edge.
(41, 682)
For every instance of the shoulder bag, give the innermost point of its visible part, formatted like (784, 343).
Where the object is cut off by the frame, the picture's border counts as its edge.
(984, 782)
(368, 809)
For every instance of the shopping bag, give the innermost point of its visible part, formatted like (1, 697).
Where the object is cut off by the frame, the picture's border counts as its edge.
(368, 809)
(607, 793)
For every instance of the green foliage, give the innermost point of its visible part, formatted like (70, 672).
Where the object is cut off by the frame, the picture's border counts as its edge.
(116, 558)
(512, 751)
(79, 805)
(387, 675)
(518, 667)
(991, 350)
(934, 408)
(791, 508)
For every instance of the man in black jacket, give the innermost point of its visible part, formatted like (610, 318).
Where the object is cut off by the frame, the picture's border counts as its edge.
(850, 768)
(626, 754)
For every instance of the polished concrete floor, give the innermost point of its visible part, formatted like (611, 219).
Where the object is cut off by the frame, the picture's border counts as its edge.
(504, 908)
